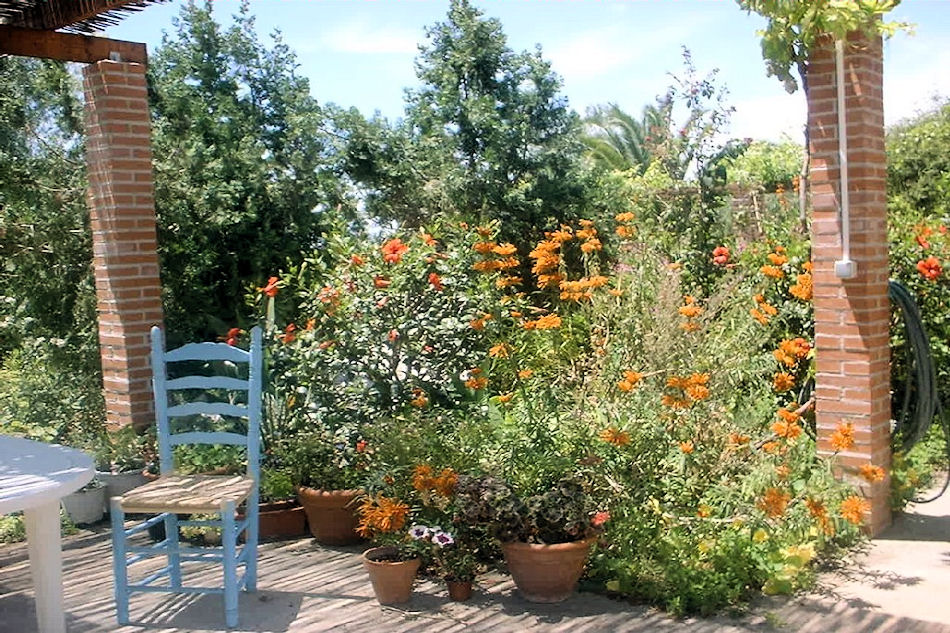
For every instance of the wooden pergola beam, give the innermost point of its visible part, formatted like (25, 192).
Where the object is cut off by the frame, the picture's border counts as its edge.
(68, 47)
(57, 15)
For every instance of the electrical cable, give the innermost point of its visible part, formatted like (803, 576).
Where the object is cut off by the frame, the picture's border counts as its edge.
(920, 400)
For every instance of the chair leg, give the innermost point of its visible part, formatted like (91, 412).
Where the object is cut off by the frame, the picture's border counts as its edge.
(250, 545)
(172, 549)
(120, 570)
(229, 542)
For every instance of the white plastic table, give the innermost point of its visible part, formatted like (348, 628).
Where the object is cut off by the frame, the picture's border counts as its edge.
(33, 478)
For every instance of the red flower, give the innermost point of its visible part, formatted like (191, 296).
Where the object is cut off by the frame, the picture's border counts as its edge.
(600, 518)
(720, 256)
(435, 281)
(271, 288)
(380, 282)
(393, 335)
(233, 335)
(361, 446)
(356, 260)
(288, 336)
(930, 268)
(393, 250)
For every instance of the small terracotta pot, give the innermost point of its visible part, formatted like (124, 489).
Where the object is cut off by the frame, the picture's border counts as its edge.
(546, 573)
(392, 580)
(459, 590)
(331, 515)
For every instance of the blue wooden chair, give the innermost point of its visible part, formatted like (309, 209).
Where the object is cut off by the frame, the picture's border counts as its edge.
(196, 398)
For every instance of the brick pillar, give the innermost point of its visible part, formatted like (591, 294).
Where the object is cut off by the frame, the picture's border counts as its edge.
(851, 315)
(122, 215)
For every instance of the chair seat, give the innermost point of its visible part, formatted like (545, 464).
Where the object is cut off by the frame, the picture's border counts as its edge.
(187, 494)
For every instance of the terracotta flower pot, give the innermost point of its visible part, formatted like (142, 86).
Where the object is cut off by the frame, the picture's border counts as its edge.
(331, 515)
(459, 590)
(279, 520)
(546, 573)
(391, 579)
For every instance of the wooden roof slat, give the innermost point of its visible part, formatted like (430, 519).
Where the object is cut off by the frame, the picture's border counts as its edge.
(80, 16)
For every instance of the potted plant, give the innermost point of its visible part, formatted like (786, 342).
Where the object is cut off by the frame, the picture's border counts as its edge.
(279, 513)
(457, 563)
(327, 471)
(86, 505)
(121, 458)
(545, 537)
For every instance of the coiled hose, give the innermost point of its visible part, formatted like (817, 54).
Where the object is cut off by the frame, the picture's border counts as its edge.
(920, 400)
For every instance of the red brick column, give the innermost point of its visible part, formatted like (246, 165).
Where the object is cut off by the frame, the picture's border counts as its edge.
(122, 215)
(851, 315)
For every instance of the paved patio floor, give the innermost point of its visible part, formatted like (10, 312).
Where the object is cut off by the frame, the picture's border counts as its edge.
(899, 585)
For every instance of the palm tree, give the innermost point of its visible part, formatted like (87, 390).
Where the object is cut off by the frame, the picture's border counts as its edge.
(617, 140)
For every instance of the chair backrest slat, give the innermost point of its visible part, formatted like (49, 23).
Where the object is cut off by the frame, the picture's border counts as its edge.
(207, 408)
(207, 351)
(202, 356)
(207, 382)
(208, 437)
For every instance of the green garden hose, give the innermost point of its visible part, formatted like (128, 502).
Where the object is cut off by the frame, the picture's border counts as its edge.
(920, 400)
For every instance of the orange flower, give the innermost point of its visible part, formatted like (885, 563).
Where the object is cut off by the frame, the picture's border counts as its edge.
(600, 518)
(591, 245)
(817, 509)
(758, 316)
(624, 231)
(613, 435)
(687, 447)
(807, 266)
(505, 398)
(484, 248)
(772, 447)
(476, 382)
(777, 259)
(486, 266)
(782, 471)
(872, 473)
(615, 292)
(787, 427)
(435, 281)
(504, 250)
(271, 288)
(393, 250)
(772, 271)
(929, 268)
(804, 288)
(421, 477)
(738, 439)
(524, 374)
(380, 282)
(428, 240)
(690, 311)
(720, 256)
(843, 437)
(854, 508)
(774, 502)
(499, 351)
(548, 322)
(630, 380)
(673, 402)
(564, 234)
(697, 392)
(627, 216)
(689, 326)
(381, 515)
(444, 484)
(357, 260)
(506, 282)
(923, 232)
(783, 381)
(790, 351)
(483, 231)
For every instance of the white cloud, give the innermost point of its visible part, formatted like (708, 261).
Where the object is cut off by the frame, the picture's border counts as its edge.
(364, 38)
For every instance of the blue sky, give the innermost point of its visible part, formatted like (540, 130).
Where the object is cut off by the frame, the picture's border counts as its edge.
(360, 52)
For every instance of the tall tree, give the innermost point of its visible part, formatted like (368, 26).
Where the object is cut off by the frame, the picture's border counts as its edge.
(502, 142)
(241, 160)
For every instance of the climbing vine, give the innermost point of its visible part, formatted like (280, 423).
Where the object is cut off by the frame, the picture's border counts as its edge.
(794, 27)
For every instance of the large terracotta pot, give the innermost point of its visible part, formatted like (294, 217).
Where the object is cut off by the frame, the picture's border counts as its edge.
(391, 579)
(331, 515)
(546, 573)
(279, 520)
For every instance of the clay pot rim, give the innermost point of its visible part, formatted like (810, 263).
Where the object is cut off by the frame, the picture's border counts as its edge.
(388, 549)
(333, 492)
(523, 545)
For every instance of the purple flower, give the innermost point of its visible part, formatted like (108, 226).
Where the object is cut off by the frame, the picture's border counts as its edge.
(419, 532)
(442, 539)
